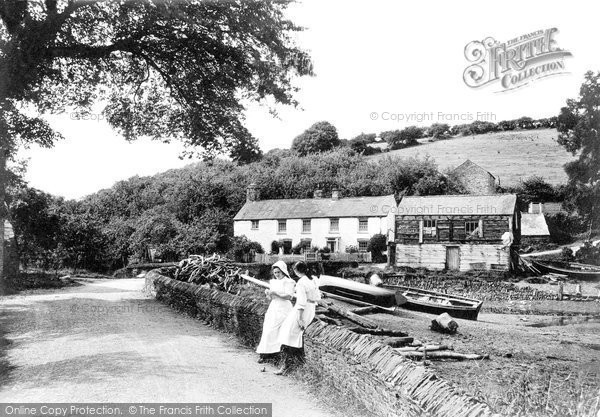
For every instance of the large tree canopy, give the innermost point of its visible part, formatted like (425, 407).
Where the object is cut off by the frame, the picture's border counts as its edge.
(320, 137)
(168, 69)
(579, 131)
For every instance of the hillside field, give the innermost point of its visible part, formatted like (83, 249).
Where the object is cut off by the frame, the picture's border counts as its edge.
(510, 156)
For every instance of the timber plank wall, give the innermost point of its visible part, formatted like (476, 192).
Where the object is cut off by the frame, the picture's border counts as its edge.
(385, 383)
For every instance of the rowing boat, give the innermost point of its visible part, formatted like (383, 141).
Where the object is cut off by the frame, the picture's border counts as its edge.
(358, 291)
(578, 271)
(437, 303)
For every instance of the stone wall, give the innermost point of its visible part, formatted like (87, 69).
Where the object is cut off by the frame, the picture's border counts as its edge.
(475, 179)
(387, 384)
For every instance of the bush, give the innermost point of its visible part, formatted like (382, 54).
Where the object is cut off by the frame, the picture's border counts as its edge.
(563, 227)
(351, 249)
(274, 247)
(567, 255)
(241, 247)
(588, 254)
(438, 130)
(377, 245)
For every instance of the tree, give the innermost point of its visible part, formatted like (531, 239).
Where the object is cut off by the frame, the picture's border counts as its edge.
(171, 69)
(37, 226)
(398, 139)
(438, 130)
(578, 125)
(377, 245)
(536, 190)
(320, 137)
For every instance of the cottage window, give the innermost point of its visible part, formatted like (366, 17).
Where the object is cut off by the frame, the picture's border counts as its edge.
(281, 226)
(363, 224)
(429, 227)
(334, 225)
(472, 228)
(306, 225)
(254, 224)
(362, 245)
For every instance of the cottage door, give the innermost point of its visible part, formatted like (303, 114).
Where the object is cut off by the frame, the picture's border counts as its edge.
(452, 257)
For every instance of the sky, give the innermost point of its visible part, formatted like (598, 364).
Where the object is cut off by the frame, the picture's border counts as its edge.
(379, 65)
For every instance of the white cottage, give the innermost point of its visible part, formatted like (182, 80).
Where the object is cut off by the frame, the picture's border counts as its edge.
(334, 222)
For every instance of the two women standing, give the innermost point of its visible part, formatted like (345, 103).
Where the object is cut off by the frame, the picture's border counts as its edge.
(291, 321)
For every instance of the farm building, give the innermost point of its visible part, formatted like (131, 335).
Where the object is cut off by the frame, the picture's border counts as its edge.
(333, 221)
(475, 179)
(457, 232)
(534, 228)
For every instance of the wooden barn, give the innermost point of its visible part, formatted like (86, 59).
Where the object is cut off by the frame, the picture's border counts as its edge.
(457, 232)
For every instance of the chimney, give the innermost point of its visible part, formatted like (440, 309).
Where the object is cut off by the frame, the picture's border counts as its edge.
(335, 194)
(251, 193)
(318, 194)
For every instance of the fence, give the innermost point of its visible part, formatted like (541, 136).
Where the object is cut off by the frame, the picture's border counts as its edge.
(264, 258)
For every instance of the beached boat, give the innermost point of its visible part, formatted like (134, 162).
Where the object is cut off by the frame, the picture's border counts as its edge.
(573, 270)
(360, 292)
(437, 303)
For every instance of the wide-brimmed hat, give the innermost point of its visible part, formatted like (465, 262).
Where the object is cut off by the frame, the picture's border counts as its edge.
(282, 267)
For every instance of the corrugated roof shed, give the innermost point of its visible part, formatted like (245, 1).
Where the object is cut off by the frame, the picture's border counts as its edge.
(534, 224)
(317, 207)
(439, 205)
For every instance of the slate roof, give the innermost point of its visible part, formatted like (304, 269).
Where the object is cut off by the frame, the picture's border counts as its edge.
(464, 204)
(317, 207)
(534, 224)
(470, 164)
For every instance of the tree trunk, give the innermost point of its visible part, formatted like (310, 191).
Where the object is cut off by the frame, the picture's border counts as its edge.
(2, 211)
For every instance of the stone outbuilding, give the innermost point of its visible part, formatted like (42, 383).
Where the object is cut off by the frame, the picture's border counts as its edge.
(475, 179)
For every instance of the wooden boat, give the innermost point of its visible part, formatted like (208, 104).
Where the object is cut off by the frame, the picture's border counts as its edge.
(573, 270)
(437, 303)
(360, 292)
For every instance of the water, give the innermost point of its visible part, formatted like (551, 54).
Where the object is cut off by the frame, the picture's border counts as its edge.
(566, 320)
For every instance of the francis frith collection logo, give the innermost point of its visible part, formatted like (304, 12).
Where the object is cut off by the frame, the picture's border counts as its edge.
(514, 63)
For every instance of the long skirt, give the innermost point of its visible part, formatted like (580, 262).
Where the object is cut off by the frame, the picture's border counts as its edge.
(290, 333)
(276, 314)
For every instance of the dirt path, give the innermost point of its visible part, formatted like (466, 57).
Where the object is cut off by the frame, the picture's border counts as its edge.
(106, 342)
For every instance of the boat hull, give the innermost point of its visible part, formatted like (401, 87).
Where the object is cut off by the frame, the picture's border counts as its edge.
(422, 300)
(359, 291)
(572, 273)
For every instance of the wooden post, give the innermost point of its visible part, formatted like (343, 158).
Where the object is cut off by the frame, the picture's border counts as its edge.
(560, 291)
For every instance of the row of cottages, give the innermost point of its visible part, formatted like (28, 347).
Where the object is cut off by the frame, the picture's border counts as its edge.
(457, 232)
(333, 221)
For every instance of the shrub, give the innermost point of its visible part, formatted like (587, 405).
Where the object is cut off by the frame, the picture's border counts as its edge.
(377, 245)
(351, 249)
(241, 247)
(589, 254)
(274, 247)
(438, 130)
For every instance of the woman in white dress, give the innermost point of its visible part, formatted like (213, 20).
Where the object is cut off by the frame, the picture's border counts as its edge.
(292, 329)
(280, 292)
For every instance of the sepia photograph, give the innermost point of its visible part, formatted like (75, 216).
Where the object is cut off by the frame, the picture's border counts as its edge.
(299, 208)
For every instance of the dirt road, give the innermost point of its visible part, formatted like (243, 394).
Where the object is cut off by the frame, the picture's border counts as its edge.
(106, 342)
